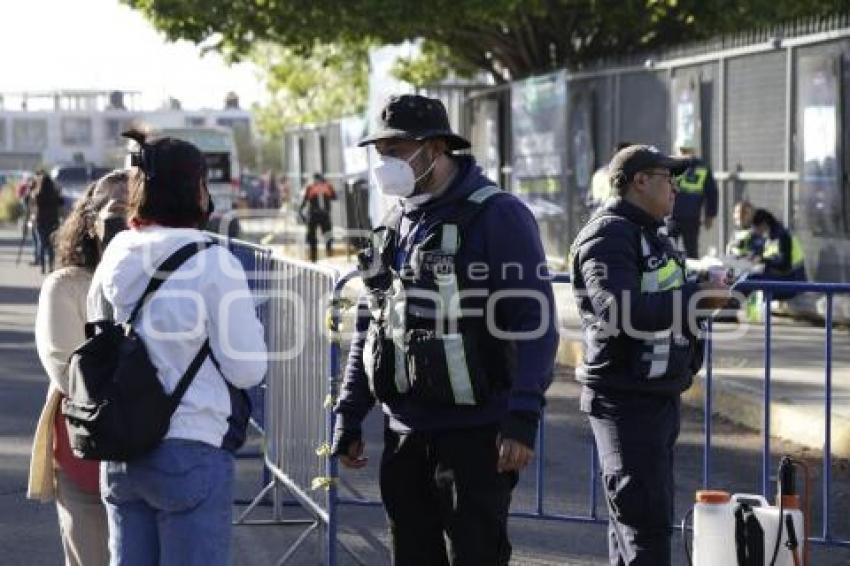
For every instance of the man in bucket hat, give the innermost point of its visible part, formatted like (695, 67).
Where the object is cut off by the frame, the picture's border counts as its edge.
(456, 338)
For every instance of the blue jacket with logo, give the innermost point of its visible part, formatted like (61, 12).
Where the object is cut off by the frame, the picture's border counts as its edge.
(625, 327)
(503, 237)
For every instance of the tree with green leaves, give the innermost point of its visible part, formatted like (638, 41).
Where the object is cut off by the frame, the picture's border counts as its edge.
(511, 39)
(330, 82)
(314, 54)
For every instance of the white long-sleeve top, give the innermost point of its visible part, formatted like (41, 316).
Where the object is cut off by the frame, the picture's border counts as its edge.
(59, 330)
(207, 296)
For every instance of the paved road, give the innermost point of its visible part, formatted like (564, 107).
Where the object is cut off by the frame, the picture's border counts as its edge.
(29, 535)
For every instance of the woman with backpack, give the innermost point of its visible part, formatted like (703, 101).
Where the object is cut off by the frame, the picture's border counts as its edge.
(55, 473)
(172, 505)
(47, 204)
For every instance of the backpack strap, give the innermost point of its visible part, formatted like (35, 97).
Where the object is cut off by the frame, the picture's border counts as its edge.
(166, 268)
(189, 375)
(171, 264)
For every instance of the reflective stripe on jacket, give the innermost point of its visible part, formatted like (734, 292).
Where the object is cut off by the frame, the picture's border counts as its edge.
(632, 295)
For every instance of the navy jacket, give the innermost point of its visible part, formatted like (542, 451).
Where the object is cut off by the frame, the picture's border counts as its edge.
(504, 237)
(689, 205)
(606, 268)
(781, 267)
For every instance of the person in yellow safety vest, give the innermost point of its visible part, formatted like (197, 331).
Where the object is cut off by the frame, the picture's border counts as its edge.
(782, 255)
(697, 196)
(745, 242)
(600, 183)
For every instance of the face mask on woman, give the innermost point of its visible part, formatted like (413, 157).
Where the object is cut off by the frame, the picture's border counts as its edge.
(110, 228)
(395, 177)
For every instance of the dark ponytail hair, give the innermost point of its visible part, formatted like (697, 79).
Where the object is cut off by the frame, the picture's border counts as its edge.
(166, 182)
(762, 216)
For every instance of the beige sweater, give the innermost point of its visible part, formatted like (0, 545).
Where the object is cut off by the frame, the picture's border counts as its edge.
(59, 329)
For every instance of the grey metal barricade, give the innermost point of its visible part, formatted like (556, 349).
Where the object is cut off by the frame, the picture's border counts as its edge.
(296, 296)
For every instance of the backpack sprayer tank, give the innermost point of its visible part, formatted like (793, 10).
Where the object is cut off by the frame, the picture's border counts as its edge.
(742, 529)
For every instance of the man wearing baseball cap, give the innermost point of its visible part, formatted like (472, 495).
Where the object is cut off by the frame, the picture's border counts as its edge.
(456, 339)
(640, 349)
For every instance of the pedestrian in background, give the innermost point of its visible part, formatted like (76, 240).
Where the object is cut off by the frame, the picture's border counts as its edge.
(272, 191)
(25, 191)
(55, 473)
(462, 395)
(173, 505)
(696, 202)
(317, 199)
(47, 205)
(640, 352)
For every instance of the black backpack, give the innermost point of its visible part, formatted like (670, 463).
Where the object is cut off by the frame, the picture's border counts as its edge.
(116, 407)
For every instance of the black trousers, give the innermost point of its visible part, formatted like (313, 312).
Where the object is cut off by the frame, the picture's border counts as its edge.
(46, 253)
(635, 436)
(688, 229)
(444, 485)
(316, 221)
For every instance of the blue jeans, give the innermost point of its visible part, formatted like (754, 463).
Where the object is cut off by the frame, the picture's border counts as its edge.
(170, 507)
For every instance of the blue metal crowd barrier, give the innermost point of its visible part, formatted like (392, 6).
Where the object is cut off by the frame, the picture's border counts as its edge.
(257, 262)
(769, 289)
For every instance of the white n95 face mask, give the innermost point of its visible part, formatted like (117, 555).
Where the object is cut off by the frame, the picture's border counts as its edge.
(395, 177)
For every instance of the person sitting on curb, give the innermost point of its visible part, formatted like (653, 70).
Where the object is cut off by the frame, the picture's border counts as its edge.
(782, 256)
(746, 242)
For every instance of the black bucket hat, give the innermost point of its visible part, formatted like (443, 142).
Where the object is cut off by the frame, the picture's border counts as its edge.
(415, 117)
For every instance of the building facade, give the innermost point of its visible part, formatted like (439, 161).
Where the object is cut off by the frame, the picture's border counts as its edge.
(43, 129)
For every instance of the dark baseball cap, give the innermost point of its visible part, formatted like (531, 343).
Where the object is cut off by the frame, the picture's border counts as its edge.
(414, 117)
(636, 158)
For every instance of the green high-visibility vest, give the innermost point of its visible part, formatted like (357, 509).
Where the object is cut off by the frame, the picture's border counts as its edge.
(666, 277)
(670, 275)
(693, 180)
(771, 249)
(741, 244)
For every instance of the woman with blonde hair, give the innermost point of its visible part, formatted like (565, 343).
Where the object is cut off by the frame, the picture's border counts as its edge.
(55, 473)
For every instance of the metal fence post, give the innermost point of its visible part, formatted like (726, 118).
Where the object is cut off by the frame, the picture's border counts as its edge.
(827, 444)
(707, 407)
(765, 477)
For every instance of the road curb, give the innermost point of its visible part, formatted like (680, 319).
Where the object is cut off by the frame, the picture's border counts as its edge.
(801, 425)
